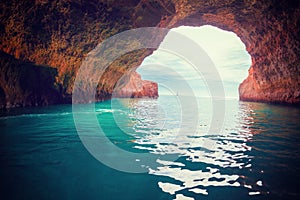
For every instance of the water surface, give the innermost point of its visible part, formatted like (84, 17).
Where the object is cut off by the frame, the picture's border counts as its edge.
(256, 155)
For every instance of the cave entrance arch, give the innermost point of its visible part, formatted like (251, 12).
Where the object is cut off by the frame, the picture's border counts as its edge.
(225, 48)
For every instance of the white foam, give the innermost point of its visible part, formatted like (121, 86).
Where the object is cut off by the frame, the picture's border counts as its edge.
(105, 110)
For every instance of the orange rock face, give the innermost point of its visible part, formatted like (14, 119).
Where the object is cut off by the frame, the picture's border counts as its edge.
(283, 92)
(59, 34)
(135, 87)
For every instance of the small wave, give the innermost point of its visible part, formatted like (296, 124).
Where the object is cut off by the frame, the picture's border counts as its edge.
(105, 110)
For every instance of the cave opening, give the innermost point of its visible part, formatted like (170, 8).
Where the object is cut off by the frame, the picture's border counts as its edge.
(225, 49)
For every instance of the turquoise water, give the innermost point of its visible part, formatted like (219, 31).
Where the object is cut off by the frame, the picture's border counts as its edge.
(256, 155)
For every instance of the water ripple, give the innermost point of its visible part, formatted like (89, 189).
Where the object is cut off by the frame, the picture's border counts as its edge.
(204, 155)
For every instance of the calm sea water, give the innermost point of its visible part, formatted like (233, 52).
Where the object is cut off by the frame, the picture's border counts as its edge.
(256, 155)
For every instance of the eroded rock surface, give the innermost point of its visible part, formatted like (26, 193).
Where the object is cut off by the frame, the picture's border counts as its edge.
(134, 87)
(26, 84)
(60, 34)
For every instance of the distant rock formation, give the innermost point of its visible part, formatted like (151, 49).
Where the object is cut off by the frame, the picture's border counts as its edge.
(134, 87)
(61, 33)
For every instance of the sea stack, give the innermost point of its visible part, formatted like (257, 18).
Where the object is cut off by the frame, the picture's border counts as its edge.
(132, 86)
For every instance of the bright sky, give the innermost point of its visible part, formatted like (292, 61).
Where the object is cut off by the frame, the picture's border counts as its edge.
(225, 49)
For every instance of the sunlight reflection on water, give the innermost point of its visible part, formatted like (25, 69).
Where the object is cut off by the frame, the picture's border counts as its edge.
(201, 157)
(256, 156)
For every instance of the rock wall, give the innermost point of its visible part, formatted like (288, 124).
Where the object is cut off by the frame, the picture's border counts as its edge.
(275, 50)
(60, 33)
(26, 84)
(132, 86)
(271, 32)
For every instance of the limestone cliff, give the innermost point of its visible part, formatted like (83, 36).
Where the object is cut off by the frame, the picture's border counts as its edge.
(132, 86)
(60, 33)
